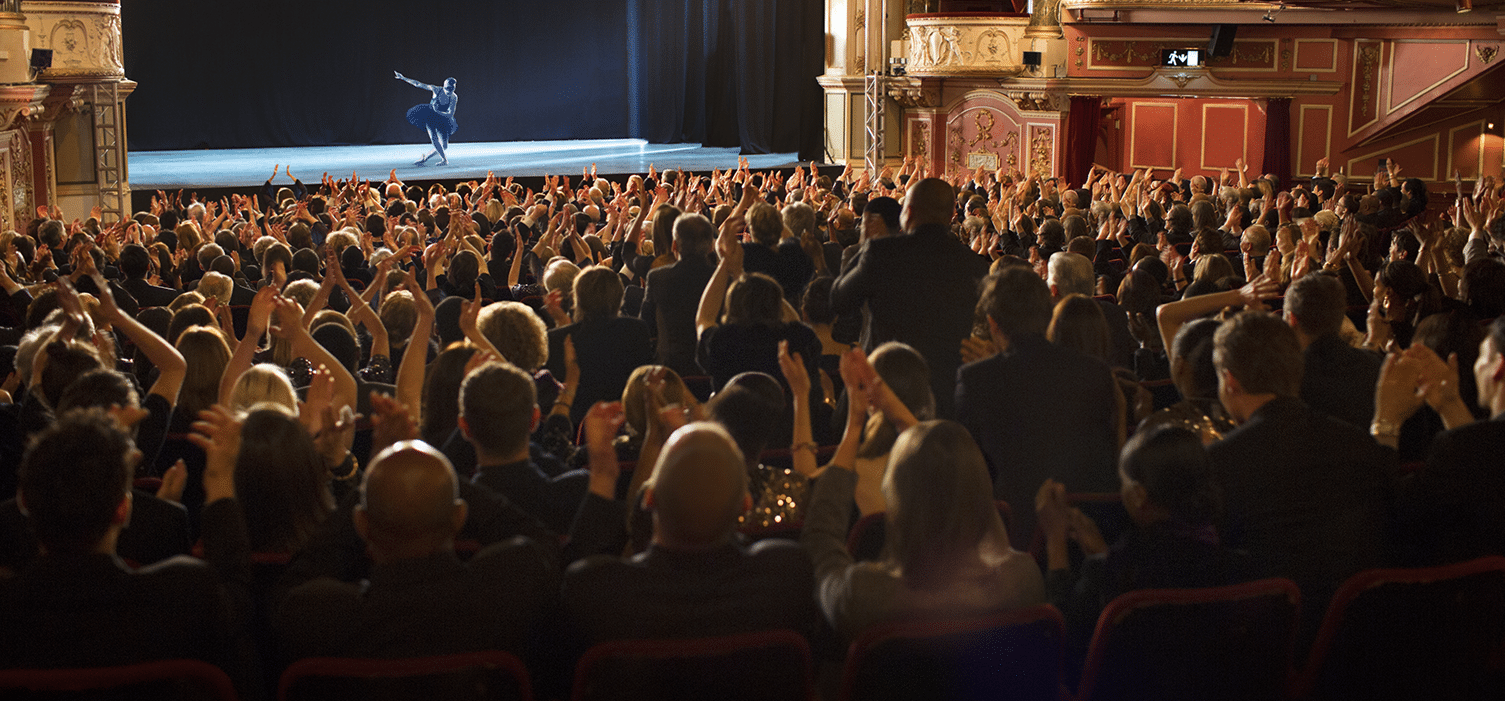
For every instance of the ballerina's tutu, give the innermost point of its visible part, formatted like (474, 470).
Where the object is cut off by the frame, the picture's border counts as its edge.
(424, 116)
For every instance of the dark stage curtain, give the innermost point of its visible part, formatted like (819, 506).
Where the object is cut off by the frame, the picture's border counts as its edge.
(1277, 159)
(261, 73)
(1081, 137)
(726, 73)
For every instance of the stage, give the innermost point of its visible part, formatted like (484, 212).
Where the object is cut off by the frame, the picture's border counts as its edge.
(215, 170)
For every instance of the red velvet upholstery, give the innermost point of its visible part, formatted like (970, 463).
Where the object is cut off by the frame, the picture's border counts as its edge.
(1225, 643)
(1435, 632)
(165, 679)
(771, 665)
(1015, 655)
(490, 674)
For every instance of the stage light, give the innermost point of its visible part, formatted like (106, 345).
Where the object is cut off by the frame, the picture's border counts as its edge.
(1491, 125)
(1464, 6)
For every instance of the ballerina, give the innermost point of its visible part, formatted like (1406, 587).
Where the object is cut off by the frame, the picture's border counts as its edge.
(437, 117)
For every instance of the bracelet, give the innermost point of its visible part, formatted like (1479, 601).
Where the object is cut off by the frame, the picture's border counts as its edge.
(1383, 427)
(810, 446)
(354, 466)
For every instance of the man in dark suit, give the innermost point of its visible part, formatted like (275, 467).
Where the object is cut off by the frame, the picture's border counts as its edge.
(1307, 495)
(1337, 379)
(420, 598)
(673, 293)
(78, 604)
(135, 263)
(1037, 410)
(919, 288)
(498, 411)
(695, 579)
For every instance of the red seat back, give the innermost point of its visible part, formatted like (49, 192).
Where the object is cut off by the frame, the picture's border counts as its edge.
(771, 665)
(1014, 655)
(490, 674)
(165, 679)
(1434, 632)
(1230, 642)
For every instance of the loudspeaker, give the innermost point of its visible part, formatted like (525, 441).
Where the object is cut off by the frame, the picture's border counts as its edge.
(41, 58)
(1032, 58)
(1221, 43)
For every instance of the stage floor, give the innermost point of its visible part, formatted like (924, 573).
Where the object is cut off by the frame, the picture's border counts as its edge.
(236, 168)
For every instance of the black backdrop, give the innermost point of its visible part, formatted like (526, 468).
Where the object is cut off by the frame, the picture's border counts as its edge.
(258, 73)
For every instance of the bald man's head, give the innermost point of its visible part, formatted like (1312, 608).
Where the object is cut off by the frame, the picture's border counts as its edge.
(928, 202)
(410, 502)
(698, 489)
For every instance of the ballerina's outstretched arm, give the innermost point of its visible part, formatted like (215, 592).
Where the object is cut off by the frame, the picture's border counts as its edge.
(414, 83)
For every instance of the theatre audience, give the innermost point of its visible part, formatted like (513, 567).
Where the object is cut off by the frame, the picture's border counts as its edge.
(947, 552)
(420, 598)
(252, 357)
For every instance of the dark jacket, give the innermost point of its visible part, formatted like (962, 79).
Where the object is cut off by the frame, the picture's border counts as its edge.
(1040, 411)
(1307, 495)
(1338, 380)
(670, 303)
(921, 289)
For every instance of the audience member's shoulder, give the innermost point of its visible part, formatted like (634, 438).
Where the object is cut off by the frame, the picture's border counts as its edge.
(597, 568)
(181, 569)
(781, 552)
(572, 478)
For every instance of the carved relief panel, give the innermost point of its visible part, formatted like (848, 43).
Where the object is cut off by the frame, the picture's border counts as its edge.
(965, 45)
(84, 38)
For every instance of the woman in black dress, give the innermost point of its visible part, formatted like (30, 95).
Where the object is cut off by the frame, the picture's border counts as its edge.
(437, 117)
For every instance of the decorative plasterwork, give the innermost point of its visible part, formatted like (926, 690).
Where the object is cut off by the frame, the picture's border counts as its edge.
(1037, 101)
(1190, 82)
(912, 92)
(21, 102)
(965, 45)
(84, 38)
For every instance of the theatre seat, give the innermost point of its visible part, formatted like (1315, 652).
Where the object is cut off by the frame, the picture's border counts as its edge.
(764, 666)
(1226, 643)
(488, 675)
(1427, 633)
(1014, 655)
(166, 680)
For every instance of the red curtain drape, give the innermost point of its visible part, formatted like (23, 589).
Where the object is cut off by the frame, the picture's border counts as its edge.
(1277, 159)
(1081, 137)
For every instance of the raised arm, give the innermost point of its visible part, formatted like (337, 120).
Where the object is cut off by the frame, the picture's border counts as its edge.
(414, 83)
(1173, 315)
(410, 373)
(256, 325)
(170, 364)
(730, 267)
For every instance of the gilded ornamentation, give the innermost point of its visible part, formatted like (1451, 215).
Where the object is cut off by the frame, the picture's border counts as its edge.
(860, 19)
(84, 37)
(960, 45)
(910, 92)
(1369, 57)
(1041, 144)
(921, 142)
(958, 143)
(985, 121)
(1243, 52)
(1285, 60)
(1486, 53)
(22, 187)
(1036, 101)
(1181, 79)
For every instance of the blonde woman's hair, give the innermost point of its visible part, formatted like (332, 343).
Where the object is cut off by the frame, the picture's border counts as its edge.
(216, 285)
(517, 332)
(263, 382)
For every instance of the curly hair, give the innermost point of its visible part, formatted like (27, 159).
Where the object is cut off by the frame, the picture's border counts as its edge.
(517, 332)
